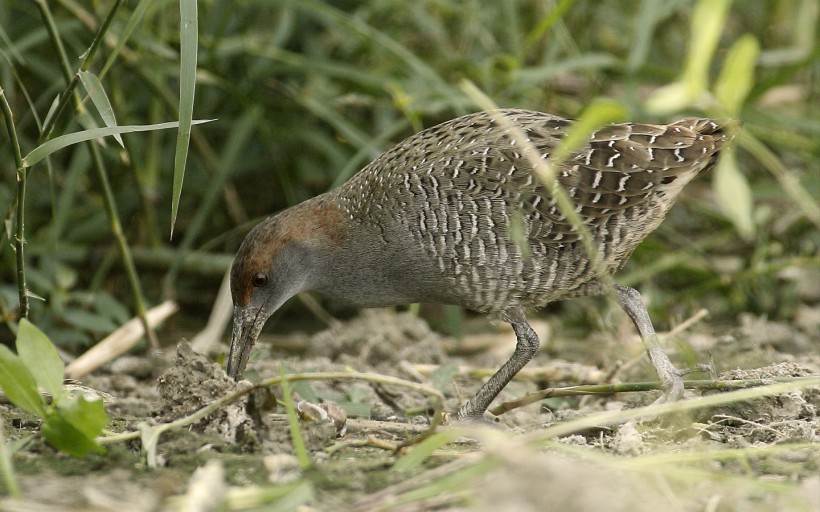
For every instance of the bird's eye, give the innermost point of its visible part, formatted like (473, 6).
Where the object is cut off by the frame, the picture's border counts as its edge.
(259, 279)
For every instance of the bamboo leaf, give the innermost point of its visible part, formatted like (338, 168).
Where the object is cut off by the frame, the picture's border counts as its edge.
(188, 37)
(58, 143)
(100, 100)
(41, 358)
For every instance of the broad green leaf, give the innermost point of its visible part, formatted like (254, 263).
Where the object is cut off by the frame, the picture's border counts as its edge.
(737, 76)
(64, 436)
(189, 38)
(734, 193)
(63, 141)
(18, 384)
(97, 94)
(88, 321)
(110, 307)
(86, 415)
(708, 19)
(41, 358)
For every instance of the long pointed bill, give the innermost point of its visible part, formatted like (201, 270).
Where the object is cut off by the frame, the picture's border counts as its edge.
(246, 327)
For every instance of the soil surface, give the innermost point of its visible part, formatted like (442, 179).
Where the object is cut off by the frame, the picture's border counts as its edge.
(758, 454)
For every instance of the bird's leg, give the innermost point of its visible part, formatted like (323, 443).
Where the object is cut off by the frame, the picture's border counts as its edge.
(633, 305)
(525, 348)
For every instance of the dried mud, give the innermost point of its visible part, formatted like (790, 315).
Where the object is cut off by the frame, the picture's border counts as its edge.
(251, 438)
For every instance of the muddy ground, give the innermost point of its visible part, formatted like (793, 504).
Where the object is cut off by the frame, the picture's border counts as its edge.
(760, 454)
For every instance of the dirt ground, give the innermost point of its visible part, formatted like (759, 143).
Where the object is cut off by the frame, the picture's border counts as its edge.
(758, 454)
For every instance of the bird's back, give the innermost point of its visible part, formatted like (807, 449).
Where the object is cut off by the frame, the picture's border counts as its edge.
(468, 196)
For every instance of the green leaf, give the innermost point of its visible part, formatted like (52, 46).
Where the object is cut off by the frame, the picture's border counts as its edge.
(189, 37)
(423, 450)
(58, 143)
(547, 21)
(75, 424)
(669, 98)
(109, 307)
(305, 391)
(87, 415)
(737, 76)
(63, 436)
(97, 94)
(18, 384)
(707, 23)
(88, 321)
(597, 114)
(708, 19)
(356, 409)
(51, 110)
(734, 193)
(133, 22)
(41, 358)
(442, 377)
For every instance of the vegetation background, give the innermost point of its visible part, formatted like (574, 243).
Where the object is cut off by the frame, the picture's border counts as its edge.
(305, 93)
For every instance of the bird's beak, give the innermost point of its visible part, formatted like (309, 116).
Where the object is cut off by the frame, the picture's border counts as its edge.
(246, 327)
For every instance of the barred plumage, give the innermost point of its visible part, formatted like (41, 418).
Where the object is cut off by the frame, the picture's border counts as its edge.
(456, 215)
(457, 188)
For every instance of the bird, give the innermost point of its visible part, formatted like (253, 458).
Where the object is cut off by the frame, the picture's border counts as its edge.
(457, 214)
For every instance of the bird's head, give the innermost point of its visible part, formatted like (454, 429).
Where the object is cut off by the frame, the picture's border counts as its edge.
(276, 261)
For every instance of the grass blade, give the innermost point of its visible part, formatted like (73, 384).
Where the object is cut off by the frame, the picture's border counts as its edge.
(64, 141)
(422, 451)
(97, 94)
(133, 21)
(189, 37)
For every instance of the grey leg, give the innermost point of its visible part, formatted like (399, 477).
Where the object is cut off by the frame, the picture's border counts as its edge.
(527, 345)
(633, 305)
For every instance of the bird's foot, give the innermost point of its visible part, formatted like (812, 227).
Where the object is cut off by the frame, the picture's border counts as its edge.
(672, 383)
(672, 389)
(474, 418)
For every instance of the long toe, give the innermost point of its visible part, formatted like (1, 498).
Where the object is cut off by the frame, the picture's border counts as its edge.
(466, 418)
(672, 389)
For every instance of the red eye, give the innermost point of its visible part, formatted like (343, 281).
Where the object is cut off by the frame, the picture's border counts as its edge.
(259, 279)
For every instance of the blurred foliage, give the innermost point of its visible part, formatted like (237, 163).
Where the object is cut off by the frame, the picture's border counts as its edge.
(307, 92)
